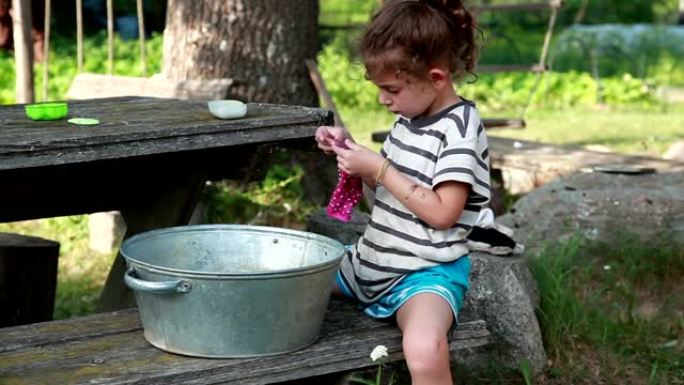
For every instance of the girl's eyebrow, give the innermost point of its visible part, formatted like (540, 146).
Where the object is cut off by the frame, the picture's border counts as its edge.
(387, 87)
(387, 84)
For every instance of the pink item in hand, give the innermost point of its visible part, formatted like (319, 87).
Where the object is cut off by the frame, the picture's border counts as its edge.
(347, 194)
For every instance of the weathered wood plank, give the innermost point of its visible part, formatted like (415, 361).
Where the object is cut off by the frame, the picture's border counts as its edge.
(92, 86)
(138, 118)
(526, 165)
(144, 126)
(119, 184)
(109, 349)
(46, 333)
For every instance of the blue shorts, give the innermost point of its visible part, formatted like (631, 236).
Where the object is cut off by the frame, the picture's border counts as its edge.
(448, 280)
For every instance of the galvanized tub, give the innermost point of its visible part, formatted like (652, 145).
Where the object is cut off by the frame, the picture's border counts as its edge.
(231, 290)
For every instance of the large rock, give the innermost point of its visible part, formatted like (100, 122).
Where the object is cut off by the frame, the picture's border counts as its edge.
(502, 292)
(600, 206)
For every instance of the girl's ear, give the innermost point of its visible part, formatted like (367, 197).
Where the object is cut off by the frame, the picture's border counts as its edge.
(439, 77)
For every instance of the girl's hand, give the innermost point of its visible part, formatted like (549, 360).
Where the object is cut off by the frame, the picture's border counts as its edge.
(327, 135)
(357, 160)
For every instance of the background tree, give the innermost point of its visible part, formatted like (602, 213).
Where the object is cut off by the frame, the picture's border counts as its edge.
(261, 44)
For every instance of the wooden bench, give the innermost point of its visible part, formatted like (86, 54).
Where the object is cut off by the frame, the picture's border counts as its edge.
(94, 86)
(28, 279)
(109, 348)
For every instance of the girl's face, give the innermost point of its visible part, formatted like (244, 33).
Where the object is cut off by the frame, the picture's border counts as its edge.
(405, 95)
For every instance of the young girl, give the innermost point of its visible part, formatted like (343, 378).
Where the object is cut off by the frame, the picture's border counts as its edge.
(431, 178)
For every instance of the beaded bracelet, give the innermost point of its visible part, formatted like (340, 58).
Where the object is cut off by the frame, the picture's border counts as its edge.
(382, 170)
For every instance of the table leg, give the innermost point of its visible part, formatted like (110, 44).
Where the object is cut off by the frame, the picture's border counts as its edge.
(172, 206)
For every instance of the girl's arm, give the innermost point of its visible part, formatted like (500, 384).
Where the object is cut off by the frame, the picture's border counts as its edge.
(440, 208)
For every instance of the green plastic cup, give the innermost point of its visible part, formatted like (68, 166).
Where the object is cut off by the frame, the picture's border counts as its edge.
(47, 111)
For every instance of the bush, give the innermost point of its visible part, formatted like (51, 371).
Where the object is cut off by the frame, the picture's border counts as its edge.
(345, 79)
(63, 66)
(610, 50)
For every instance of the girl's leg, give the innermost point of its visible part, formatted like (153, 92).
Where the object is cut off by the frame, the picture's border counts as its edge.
(425, 320)
(339, 288)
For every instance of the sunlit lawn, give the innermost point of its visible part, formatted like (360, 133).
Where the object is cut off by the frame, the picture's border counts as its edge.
(624, 130)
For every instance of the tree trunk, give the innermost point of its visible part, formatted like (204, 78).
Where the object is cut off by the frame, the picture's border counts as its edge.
(23, 53)
(261, 44)
(581, 12)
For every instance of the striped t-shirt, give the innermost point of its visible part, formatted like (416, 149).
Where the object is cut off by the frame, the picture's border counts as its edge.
(448, 146)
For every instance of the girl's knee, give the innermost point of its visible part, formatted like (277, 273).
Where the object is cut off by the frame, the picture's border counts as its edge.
(425, 351)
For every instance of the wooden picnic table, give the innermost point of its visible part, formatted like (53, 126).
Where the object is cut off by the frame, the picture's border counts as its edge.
(148, 158)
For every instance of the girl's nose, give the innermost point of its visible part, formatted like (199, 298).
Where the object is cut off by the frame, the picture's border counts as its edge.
(383, 99)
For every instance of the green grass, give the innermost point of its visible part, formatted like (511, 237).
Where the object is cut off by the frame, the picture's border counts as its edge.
(62, 67)
(608, 313)
(277, 200)
(620, 130)
(81, 272)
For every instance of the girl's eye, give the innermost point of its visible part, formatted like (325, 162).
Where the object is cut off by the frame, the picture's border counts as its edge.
(393, 90)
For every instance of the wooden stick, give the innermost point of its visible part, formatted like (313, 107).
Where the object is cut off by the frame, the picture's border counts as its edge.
(547, 37)
(79, 35)
(23, 51)
(46, 49)
(582, 11)
(110, 36)
(322, 90)
(141, 36)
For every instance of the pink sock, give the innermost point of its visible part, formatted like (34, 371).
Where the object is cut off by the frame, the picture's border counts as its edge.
(346, 196)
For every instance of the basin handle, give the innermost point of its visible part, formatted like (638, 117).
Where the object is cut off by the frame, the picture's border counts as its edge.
(156, 287)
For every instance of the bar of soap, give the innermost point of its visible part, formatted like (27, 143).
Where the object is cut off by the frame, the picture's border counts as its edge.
(227, 109)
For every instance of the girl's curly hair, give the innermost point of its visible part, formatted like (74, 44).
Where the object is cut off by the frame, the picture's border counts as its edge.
(413, 35)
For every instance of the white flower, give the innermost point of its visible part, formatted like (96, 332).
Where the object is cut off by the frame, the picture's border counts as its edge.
(606, 267)
(379, 352)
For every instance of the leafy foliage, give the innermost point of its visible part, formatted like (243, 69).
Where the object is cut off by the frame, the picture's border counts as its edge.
(619, 11)
(643, 51)
(277, 200)
(345, 80)
(62, 66)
